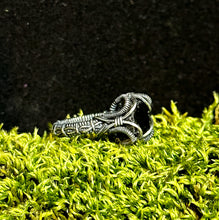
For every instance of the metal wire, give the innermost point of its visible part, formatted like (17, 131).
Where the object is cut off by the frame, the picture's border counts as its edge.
(119, 119)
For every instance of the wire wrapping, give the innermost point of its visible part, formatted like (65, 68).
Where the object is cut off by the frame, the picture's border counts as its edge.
(119, 119)
(113, 112)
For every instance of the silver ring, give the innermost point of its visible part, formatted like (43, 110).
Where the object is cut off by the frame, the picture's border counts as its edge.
(127, 120)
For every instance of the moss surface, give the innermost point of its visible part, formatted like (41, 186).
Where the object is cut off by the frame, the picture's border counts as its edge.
(173, 176)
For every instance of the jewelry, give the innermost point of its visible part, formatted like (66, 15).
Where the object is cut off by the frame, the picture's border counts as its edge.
(128, 116)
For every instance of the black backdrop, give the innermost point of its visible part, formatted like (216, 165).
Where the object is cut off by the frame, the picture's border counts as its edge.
(61, 55)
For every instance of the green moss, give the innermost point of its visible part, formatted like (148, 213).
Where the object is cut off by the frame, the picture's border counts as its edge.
(172, 176)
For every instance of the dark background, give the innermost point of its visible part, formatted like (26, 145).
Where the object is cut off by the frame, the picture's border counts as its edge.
(59, 56)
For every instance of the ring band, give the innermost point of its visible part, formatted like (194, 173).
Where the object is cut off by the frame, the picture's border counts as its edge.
(129, 116)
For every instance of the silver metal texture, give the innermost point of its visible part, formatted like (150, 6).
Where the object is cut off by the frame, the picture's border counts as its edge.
(128, 120)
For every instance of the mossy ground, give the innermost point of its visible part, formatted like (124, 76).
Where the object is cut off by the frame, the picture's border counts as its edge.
(175, 175)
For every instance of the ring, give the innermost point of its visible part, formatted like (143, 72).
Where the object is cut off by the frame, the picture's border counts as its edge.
(127, 120)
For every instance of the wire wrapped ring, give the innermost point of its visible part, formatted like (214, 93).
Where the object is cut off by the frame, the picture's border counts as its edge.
(129, 116)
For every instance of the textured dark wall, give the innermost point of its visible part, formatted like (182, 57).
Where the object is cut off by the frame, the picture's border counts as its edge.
(58, 57)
